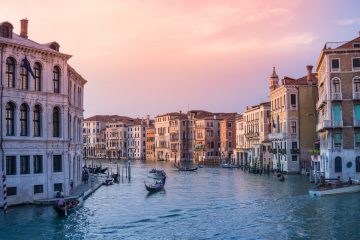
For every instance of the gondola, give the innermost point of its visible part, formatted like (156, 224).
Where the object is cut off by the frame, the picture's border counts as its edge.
(281, 178)
(71, 206)
(102, 170)
(157, 174)
(186, 169)
(154, 187)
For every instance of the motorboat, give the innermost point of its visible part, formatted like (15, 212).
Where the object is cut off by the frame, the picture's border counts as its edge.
(332, 188)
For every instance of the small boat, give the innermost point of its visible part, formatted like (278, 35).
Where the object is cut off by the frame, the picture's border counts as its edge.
(186, 168)
(102, 170)
(334, 188)
(227, 165)
(281, 178)
(155, 187)
(200, 166)
(109, 181)
(70, 206)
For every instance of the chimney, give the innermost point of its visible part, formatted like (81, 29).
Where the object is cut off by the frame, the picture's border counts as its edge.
(24, 28)
(309, 73)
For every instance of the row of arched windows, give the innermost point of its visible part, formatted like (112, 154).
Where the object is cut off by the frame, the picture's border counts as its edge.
(24, 118)
(336, 84)
(338, 164)
(10, 74)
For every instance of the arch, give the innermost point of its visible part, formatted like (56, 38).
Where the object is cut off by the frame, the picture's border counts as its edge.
(38, 75)
(336, 85)
(338, 164)
(24, 119)
(56, 122)
(37, 120)
(56, 79)
(10, 118)
(10, 72)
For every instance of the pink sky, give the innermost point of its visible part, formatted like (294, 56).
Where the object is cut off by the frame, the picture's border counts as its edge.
(150, 57)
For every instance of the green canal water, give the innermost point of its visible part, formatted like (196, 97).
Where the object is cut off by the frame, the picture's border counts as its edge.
(212, 203)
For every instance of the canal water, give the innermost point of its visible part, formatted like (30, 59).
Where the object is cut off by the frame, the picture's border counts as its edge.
(212, 203)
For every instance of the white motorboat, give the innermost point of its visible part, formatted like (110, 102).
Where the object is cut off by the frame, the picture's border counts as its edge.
(334, 188)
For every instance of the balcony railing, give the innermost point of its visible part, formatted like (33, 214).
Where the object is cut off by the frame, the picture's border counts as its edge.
(323, 125)
(338, 124)
(336, 96)
(251, 134)
(274, 136)
(356, 123)
(356, 95)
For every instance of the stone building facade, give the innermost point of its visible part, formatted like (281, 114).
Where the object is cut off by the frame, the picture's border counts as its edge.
(41, 117)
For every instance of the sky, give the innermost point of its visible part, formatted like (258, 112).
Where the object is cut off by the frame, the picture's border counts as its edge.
(151, 57)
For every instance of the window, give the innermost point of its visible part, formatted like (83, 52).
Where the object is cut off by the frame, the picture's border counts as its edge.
(23, 120)
(24, 164)
(37, 121)
(229, 134)
(56, 122)
(357, 84)
(10, 72)
(38, 189)
(294, 145)
(57, 163)
(38, 164)
(338, 164)
(58, 187)
(293, 100)
(337, 139)
(356, 45)
(229, 124)
(24, 77)
(357, 164)
(337, 113)
(335, 65)
(357, 139)
(294, 158)
(11, 191)
(10, 165)
(336, 85)
(37, 73)
(356, 64)
(9, 118)
(293, 126)
(56, 79)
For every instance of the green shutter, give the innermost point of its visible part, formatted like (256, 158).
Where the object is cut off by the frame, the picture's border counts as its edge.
(357, 111)
(357, 137)
(337, 138)
(337, 113)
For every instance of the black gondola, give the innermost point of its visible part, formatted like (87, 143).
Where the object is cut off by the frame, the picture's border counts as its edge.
(70, 206)
(155, 187)
(185, 169)
(102, 170)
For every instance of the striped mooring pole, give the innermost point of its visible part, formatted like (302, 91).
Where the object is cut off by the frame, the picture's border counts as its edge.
(4, 192)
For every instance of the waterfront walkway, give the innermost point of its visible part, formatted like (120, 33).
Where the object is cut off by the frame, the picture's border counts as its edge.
(87, 189)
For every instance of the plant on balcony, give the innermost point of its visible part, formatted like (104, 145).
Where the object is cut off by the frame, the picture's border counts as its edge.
(314, 152)
(273, 150)
(295, 151)
(282, 151)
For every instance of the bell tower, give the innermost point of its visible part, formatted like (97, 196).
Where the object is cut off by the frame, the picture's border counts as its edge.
(274, 80)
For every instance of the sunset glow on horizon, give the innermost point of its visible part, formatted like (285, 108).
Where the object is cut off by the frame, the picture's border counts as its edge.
(158, 56)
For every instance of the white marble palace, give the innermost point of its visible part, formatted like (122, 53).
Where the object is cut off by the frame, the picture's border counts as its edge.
(40, 119)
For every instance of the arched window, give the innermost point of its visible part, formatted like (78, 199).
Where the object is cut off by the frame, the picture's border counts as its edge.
(336, 85)
(37, 73)
(24, 77)
(56, 79)
(56, 122)
(356, 84)
(10, 72)
(357, 163)
(9, 118)
(37, 121)
(338, 164)
(23, 120)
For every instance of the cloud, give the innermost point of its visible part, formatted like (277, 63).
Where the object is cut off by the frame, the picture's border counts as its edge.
(349, 21)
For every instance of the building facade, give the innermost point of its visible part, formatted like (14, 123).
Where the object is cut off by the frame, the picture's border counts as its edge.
(293, 120)
(338, 109)
(93, 136)
(150, 143)
(41, 118)
(227, 135)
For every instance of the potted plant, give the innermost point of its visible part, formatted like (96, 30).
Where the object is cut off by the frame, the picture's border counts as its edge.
(314, 153)
(282, 151)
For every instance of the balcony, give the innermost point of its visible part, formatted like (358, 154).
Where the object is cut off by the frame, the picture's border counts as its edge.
(356, 95)
(251, 134)
(336, 96)
(322, 101)
(356, 123)
(323, 125)
(338, 124)
(275, 136)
